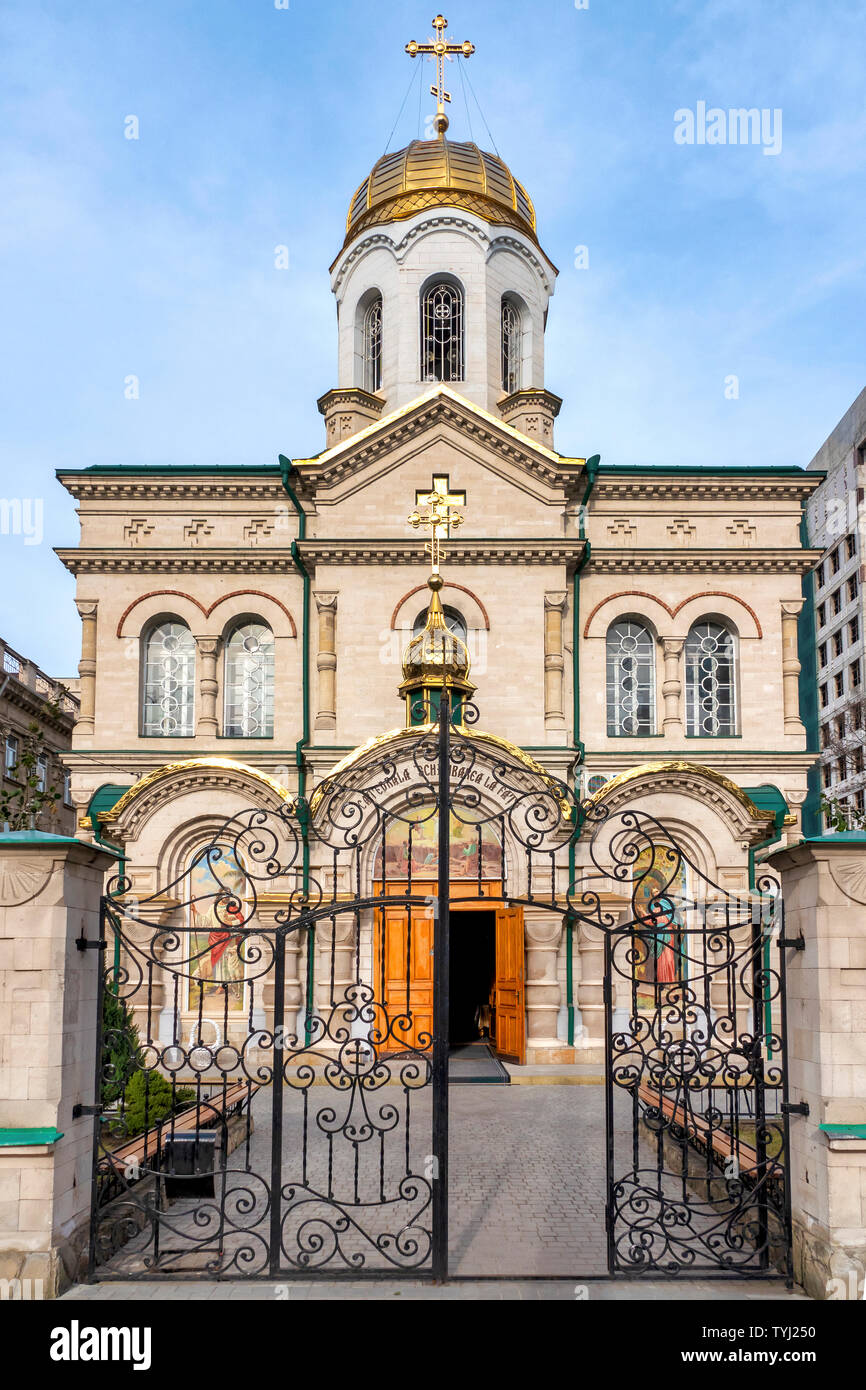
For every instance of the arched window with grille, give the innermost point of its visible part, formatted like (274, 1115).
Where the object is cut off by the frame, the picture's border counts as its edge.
(454, 621)
(711, 681)
(372, 345)
(442, 350)
(249, 681)
(168, 684)
(631, 679)
(512, 345)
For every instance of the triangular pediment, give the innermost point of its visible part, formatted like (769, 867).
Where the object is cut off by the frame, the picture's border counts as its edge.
(444, 426)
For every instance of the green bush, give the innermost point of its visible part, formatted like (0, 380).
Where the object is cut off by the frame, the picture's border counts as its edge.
(121, 1046)
(149, 1098)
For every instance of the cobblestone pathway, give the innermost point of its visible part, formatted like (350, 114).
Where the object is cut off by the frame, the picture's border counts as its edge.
(526, 1185)
(527, 1180)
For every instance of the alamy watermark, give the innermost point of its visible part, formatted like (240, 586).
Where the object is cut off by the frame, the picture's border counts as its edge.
(738, 125)
(22, 516)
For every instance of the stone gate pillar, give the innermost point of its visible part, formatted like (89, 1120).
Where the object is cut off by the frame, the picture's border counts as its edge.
(824, 892)
(50, 888)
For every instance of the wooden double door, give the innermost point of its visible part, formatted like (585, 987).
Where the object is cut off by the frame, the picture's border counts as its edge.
(404, 963)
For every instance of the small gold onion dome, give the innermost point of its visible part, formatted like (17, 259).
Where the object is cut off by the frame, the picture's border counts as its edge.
(441, 173)
(437, 657)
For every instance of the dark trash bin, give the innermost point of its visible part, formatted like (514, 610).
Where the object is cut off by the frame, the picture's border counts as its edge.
(188, 1162)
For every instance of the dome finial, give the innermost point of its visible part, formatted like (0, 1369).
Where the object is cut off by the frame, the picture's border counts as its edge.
(440, 49)
(436, 659)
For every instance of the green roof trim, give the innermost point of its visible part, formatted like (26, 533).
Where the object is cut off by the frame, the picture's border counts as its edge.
(36, 837)
(103, 799)
(838, 837)
(786, 470)
(25, 1138)
(169, 469)
(844, 1131)
(767, 797)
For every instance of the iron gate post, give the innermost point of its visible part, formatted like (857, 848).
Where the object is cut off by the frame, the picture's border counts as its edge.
(279, 1025)
(607, 997)
(104, 919)
(784, 1101)
(441, 966)
(759, 986)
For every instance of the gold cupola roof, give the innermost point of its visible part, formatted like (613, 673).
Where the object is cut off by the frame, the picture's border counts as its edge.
(441, 173)
(437, 659)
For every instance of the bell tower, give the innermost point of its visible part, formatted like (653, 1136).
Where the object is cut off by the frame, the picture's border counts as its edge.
(441, 279)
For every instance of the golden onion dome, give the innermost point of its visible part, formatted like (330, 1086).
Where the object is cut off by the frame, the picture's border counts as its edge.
(436, 659)
(441, 173)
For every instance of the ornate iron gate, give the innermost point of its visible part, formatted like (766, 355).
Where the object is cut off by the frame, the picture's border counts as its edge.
(277, 1112)
(234, 1140)
(696, 1087)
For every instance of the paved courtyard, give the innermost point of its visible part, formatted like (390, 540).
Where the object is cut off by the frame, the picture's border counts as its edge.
(526, 1185)
(414, 1291)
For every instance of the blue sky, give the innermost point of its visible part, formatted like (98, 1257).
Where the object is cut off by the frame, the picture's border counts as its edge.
(155, 257)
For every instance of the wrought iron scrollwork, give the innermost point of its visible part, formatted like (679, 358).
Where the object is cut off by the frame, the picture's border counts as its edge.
(269, 1021)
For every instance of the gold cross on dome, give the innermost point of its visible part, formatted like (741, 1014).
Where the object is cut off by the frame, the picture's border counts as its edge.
(440, 49)
(440, 516)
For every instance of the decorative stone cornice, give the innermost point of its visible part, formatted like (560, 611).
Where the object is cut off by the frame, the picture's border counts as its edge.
(140, 486)
(35, 704)
(530, 396)
(349, 396)
(515, 550)
(714, 485)
(690, 560)
(376, 237)
(99, 560)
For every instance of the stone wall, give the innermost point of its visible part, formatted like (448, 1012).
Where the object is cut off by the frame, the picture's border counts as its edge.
(51, 888)
(824, 892)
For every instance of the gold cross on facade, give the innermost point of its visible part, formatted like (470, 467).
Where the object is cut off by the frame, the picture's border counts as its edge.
(440, 516)
(440, 49)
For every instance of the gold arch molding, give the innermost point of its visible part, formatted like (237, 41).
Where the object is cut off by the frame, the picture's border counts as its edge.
(161, 774)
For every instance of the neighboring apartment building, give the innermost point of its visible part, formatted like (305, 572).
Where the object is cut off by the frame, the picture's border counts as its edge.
(28, 697)
(836, 515)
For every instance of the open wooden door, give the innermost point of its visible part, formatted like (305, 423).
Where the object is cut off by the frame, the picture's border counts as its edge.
(510, 1005)
(418, 943)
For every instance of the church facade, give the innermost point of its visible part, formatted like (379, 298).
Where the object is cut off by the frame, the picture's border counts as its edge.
(632, 631)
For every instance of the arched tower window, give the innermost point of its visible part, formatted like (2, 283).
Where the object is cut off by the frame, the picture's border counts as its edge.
(711, 684)
(372, 335)
(631, 679)
(454, 621)
(442, 333)
(512, 345)
(249, 682)
(168, 693)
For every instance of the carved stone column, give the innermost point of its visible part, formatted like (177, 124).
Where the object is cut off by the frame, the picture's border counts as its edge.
(791, 667)
(208, 650)
(293, 1018)
(672, 687)
(796, 800)
(543, 992)
(554, 664)
(326, 661)
(590, 992)
(84, 724)
(335, 971)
